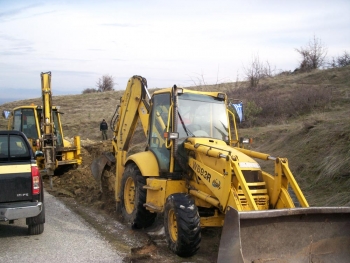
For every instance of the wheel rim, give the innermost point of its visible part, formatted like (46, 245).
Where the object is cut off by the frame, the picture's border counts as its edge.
(129, 195)
(172, 225)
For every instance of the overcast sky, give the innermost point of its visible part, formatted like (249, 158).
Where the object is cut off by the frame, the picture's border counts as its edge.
(168, 42)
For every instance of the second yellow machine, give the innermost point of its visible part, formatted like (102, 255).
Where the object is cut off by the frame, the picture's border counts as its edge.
(42, 126)
(196, 172)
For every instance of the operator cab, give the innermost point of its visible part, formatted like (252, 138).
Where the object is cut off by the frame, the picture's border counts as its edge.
(29, 119)
(198, 115)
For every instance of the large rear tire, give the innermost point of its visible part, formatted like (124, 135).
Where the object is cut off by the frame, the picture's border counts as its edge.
(182, 225)
(133, 196)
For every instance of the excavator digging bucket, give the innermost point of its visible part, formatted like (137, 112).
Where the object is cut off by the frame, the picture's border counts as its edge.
(298, 235)
(99, 163)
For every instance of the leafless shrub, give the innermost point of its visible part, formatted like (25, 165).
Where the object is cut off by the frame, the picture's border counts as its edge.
(313, 55)
(199, 80)
(256, 71)
(341, 61)
(89, 90)
(106, 83)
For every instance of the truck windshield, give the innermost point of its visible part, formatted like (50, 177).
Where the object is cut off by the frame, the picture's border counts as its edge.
(202, 116)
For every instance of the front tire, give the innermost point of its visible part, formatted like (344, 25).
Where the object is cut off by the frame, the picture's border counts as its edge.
(182, 225)
(133, 196)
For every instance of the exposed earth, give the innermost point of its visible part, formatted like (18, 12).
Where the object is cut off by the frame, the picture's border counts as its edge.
(80, 192)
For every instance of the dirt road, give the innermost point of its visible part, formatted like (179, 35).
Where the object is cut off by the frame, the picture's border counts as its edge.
(141, 246)
(66, 238)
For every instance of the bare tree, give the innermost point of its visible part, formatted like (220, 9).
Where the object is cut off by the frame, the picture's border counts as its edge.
(106, 83)
(313, 55)
(256, 71)
(341, 61)
(198, 80)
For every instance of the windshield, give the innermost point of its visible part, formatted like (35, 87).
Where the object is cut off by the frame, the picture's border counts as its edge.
(202, 116)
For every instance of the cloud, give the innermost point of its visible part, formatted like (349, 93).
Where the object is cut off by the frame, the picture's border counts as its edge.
(167, 42)
(121, 25)
(14, 46)
(16, 11)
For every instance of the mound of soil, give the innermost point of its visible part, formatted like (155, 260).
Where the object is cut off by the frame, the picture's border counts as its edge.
(80, 184)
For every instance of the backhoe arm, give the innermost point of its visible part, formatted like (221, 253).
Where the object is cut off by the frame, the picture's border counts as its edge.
(133, 106)
(48, 139)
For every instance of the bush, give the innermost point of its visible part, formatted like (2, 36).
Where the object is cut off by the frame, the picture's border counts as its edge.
(256, 71)
(251, 113)
(313, 55)
(263, 107)
(341, 61)
(89, 90)
(106, 83)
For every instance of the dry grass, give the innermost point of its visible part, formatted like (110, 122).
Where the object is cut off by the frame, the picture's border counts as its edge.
(315, 138)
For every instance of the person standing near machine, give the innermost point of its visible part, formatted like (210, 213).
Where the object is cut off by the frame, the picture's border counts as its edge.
(103, 129)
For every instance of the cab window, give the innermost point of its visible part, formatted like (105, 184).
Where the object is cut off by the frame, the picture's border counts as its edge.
(13, 147)
(24, 121)
(158, 125)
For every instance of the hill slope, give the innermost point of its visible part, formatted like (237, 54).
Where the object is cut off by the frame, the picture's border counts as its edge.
(304, 117)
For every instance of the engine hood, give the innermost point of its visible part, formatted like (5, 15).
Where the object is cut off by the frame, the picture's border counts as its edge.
(208, 147)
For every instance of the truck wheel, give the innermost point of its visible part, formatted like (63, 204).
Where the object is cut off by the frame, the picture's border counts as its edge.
(36, 229)
(133, 196)
(182, 225)
(36, 224)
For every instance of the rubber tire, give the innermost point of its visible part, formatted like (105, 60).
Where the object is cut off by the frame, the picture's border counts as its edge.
(140, 217)
(188, 234)
(36, 224)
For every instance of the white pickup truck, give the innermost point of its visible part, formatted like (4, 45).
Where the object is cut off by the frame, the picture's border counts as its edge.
(21, 187)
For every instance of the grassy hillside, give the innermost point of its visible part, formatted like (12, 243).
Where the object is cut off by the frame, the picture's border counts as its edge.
(304, 117)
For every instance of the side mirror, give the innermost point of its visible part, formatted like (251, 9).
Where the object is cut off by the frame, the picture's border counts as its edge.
(6, 114)
(39, 154)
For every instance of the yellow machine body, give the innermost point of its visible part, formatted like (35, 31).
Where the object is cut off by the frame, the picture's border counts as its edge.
(196, 172)
(42, 126)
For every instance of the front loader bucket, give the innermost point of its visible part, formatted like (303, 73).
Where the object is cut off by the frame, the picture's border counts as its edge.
(99, 163)
(298, 235)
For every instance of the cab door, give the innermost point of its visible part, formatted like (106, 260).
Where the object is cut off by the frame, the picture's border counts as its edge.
(158, 125)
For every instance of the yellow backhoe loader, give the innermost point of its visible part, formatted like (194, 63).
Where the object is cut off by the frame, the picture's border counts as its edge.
(42, 126)
(196, 172)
